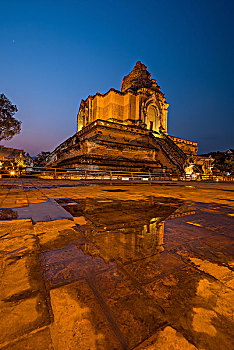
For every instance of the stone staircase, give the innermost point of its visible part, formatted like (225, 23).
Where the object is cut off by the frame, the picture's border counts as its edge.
(171, 150)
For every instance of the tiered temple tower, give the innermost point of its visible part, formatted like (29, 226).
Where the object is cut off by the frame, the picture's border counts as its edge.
(125, 130)
(140, 102)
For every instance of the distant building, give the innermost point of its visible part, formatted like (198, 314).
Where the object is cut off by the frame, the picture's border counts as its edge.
(7, 153)
(15, 156)
(125, 130)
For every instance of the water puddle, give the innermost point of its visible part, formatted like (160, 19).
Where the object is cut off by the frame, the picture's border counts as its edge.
(134, 262)
(116, 233)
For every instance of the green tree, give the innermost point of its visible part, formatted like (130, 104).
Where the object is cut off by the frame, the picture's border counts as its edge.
(40, 157)
(9, 126)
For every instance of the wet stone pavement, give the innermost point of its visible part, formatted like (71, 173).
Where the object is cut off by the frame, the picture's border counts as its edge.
(116, 267)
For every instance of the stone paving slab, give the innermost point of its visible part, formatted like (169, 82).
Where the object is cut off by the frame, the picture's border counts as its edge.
(108, 274)
(79, 322)
(46, 211)
(168, 338)
(15, 279)
(59, 232)
(39, 340)
(21, 317)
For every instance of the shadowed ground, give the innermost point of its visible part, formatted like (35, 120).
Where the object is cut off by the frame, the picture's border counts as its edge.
(116, 267)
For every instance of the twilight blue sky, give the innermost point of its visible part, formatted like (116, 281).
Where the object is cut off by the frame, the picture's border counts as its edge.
(54, 53)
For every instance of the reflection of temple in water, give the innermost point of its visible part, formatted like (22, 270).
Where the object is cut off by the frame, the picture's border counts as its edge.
(127, 236)
(125, 245)
(129, 233)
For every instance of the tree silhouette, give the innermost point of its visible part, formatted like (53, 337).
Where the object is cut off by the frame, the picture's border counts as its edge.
(40, 157)
(9, 126)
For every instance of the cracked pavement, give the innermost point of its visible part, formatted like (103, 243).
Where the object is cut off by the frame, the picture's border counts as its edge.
(116, 267)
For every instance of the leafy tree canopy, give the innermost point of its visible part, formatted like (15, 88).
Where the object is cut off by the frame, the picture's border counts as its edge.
(9, 126)
(223, 161)
(40, 157)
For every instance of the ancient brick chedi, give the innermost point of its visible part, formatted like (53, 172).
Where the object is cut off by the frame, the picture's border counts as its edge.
(125, 130)
(140, 102)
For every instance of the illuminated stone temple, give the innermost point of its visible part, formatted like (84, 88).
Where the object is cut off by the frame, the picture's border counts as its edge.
(125, 130)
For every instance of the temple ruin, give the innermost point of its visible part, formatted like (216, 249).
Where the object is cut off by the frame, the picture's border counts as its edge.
(125, 130)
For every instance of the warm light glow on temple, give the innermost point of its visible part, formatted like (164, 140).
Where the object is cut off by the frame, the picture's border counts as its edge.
(140, 102)
(127, 130)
